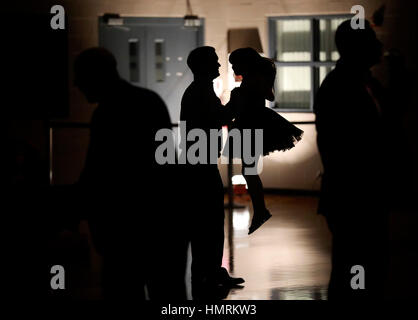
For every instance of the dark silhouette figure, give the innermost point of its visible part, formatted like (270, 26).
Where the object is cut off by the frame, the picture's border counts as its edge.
(202, 109)
(25, 168)
(128, 212)
(250, 112)
(24, 185)
(350, 113)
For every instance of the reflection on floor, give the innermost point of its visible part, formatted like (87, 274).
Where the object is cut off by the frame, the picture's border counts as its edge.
(287, 258)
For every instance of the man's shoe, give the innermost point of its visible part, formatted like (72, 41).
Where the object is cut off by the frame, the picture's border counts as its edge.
(226, 280)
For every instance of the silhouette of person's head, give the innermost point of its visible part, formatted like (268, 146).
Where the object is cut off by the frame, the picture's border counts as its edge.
(244, 61)
(258, 72)
(95, 73)
(358, 47)
(203, 62)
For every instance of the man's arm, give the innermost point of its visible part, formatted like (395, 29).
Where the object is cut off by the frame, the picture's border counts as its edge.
(220, 114)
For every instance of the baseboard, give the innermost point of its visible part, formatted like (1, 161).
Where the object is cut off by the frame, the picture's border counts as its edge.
(288, 192)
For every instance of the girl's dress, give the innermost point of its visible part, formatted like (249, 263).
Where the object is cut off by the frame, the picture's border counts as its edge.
(251, 113)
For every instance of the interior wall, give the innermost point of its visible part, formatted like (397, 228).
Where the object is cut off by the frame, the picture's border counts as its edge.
(295, 169)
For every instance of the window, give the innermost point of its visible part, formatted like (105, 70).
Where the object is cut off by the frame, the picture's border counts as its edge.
(304, 51)
(133, 60)
(159, 60)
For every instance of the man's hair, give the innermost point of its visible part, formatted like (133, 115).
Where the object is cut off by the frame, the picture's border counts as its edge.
(349, 41)
(197, 58)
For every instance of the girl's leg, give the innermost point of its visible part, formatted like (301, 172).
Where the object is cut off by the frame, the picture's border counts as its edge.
(255, 189)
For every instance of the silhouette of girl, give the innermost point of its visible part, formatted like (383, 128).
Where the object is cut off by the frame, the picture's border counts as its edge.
(248, 103)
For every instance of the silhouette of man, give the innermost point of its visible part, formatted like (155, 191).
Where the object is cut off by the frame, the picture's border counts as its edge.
(202, 109)
(121, 180)
(349, 121)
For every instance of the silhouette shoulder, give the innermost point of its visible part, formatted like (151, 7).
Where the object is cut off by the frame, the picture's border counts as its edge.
(149, 99)
(146, 94)
(330, 80)
(235, 92)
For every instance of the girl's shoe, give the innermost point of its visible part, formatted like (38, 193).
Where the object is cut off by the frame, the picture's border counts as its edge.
(258, 221)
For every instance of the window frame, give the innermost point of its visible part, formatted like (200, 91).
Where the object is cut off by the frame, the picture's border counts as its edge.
(313, 64)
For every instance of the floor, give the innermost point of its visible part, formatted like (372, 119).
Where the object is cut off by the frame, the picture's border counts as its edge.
(287, 258)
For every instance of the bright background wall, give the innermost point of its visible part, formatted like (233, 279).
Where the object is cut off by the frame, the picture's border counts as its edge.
(296, 169)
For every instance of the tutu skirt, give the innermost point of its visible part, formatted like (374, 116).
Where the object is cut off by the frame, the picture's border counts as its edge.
(278, 133)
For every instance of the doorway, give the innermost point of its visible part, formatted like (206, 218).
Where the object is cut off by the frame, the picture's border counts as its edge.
(152, 53)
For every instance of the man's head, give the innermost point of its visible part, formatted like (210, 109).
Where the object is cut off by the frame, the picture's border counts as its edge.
(95, 72)
(203, 62)
(359, 47)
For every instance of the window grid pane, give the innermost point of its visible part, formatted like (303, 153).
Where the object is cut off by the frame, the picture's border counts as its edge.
(299, 45)
(328, 50)
(293, 87)
(294, 39)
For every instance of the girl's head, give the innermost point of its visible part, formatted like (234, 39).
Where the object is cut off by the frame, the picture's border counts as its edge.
(243, 61)
(257, 72)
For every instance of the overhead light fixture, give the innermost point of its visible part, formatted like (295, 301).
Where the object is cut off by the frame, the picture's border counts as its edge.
(112, 19)
(190, 19)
